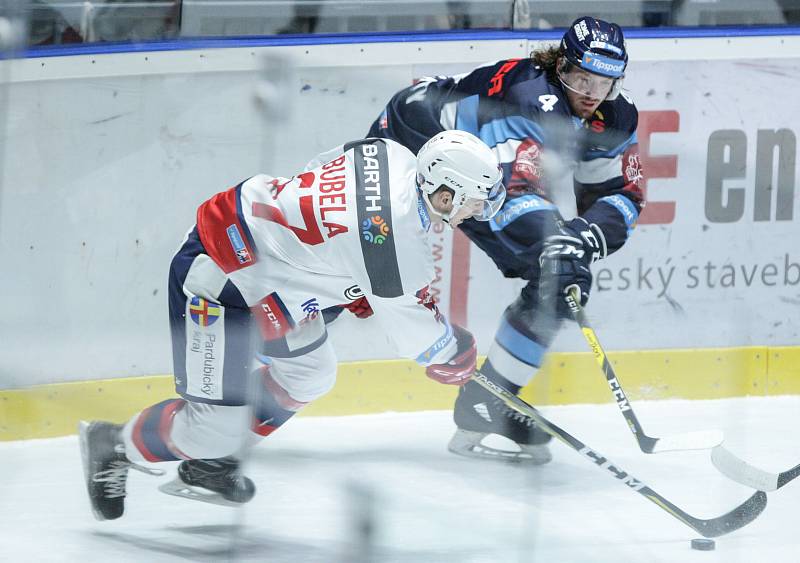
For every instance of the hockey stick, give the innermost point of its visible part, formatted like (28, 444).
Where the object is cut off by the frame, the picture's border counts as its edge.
(737, 518)
(701, 440)
(742, 472)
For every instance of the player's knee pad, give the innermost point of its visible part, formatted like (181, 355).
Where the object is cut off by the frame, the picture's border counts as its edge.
(148, 435)
(531, 317)
(272, 405)
(307, 377)
(200, 430)
(282, 393)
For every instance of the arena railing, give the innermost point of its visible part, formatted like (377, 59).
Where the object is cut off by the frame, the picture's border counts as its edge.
(52, 22)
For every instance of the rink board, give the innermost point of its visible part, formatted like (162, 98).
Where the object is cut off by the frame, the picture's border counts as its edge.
(136, 140)
(398, 385)
(709, 279)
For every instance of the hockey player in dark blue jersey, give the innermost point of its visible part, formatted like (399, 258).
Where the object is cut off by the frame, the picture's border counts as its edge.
(567, 101)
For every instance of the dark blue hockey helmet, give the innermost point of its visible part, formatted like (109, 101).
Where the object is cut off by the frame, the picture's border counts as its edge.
(597, 47)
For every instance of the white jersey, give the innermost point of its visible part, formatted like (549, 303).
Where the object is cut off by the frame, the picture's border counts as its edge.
(354, 225)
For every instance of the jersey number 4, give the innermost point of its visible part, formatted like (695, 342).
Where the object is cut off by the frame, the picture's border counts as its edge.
(548, 101)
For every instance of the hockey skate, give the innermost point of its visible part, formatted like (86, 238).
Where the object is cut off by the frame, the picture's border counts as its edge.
(478, 414)
(105, 468)
(217, 481)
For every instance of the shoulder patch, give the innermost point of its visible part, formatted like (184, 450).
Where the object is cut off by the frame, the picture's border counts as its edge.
(374, 209)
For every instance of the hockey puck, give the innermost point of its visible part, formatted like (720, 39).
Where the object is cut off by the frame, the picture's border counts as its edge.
(702, 544)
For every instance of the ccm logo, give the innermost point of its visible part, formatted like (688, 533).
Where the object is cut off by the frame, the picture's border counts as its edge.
(271, 317)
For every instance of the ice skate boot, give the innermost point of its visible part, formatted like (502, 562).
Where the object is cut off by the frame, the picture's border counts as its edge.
(478, 414)
(217, 481)
(105, 468)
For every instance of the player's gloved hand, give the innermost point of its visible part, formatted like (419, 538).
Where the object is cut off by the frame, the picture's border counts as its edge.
(461, 366)
(565, 261)
(360, 308)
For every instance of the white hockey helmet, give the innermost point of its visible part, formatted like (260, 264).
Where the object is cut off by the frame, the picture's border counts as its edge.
(462, 163)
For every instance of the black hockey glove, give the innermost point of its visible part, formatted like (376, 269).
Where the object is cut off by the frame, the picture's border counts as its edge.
(565, 261)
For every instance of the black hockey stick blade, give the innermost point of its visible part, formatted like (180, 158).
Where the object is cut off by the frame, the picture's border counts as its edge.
(700, 440)
(742, 472)
(737, 518)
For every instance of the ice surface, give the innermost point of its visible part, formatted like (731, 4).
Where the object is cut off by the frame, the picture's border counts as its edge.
(317, 476)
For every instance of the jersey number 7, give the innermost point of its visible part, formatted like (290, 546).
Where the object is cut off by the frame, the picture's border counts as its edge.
(310, 233)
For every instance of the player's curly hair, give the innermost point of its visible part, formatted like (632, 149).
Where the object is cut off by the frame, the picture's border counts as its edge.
(547, 58)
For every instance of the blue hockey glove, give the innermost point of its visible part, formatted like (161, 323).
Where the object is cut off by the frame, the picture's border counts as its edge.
(565, 260)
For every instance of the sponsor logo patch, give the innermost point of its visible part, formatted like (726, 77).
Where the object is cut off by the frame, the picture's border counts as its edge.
(605, 46)
(311, 309)
(518, 207)
(237, 242)
(202, 312)
(353, 292)
(437, 346)
(374, 212)
(603, 65)
(272, 317)
(581, 30)
(624, 206)
(205, 345)
(375, 230)
(528, 161)
(423, 214)
(633, 169)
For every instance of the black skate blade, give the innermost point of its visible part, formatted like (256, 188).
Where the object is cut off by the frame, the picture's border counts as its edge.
(178, 488)
(83, 428)
(469, 444)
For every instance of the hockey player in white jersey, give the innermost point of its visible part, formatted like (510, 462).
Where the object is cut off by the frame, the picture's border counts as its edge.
(264, 258)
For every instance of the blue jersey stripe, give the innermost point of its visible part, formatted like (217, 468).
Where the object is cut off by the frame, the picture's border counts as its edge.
(516, 208)
(625, 207)
(500, 130)
(618, 150)
(519, 345)
(467, 115)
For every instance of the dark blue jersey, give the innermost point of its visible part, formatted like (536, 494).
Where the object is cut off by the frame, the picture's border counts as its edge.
(517, 111)
(503, 104)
